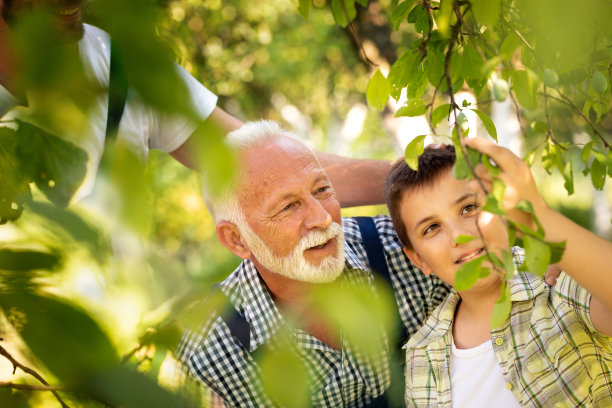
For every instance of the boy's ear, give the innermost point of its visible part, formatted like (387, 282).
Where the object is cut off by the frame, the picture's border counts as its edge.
(229, 236)
(417, 261)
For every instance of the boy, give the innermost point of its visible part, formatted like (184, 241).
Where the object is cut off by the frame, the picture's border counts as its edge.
(555, 350)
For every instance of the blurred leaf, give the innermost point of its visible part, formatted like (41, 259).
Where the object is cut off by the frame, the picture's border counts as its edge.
(80, 230)
(277, 367)
(550, 78)
(65, 338)
(585, 153)
(443, 18)
(508, 264)
(27, 260)
(599, 82)
(167, 335)
(378, 91)
(525, 84)
(537, 255)
(486, 11)
(304, 7)
(472, 62)
(495, 198)
(487, 123)
(461, 170)
(400, 13)
(413, 107)
(420, 18)
(463, 239)
(509, 45)
(413, 150)
(557, 249)
(539, 126)
(468, 274)
(439, 114)
(120, 386)
(501, 310)
(57, 166)
(14, 187)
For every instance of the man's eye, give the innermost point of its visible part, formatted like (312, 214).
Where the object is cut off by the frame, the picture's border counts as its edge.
(322, 189)
(288, 207)
(431, 229)
(469, 208)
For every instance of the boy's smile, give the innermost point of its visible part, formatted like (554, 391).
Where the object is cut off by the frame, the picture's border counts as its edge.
(435, 215)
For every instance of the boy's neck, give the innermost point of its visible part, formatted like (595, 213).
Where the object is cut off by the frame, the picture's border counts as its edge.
(472, 322)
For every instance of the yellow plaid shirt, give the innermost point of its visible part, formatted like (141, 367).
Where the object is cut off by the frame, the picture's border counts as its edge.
(549, 352)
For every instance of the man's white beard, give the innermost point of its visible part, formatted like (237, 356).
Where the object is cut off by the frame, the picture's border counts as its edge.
(294, 265)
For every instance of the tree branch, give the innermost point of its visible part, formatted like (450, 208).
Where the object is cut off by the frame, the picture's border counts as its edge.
(32, 387)
(33, 373)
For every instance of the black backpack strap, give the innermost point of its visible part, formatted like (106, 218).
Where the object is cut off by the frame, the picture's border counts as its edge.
(117, 91)
(237, 324)
(375, 252)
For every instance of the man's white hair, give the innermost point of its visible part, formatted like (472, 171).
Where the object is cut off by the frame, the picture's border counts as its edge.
(225, 206)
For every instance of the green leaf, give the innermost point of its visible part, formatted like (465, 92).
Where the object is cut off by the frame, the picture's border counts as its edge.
(403, 72)
(525, 84)
(413, 151)
(420, 17)
(57, 166)
(304, 7)
(501, 310)
(598, 175)
(27, 260)
(443, 18)
(463, 239)
(568, 176)
(556, 251)
(472, 62)
(550, 78)
(440, 113)
(400, 13)
(602, 158)
(489, 66)
(14, 187)
(486, 12)
(489, 165)
(413, 107)
(599, 82)
(537, 255)
(64, 337)
(487, 123)
(344, 11)
(509, 265)
(435, 66)
(378, 91)
(468, 274)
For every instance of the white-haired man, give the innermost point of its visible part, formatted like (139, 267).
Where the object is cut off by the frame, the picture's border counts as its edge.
(283, 219)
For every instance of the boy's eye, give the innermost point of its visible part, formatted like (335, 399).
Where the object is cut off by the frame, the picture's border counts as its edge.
(469, 208)
(431, 228)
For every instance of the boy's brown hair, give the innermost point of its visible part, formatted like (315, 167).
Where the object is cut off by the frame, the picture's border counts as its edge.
(401, 178)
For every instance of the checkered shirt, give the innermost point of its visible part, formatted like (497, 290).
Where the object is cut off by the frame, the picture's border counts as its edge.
(549, 352)
(213, 357)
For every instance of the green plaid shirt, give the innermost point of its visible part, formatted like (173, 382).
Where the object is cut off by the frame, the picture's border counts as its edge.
(549, 352)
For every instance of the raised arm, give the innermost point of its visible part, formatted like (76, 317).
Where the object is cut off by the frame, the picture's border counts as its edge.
(587, 257)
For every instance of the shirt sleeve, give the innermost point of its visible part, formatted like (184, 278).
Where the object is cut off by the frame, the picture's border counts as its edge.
(568, 291)
(172, 131)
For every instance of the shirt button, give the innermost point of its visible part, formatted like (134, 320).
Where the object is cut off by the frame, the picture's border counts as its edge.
(509, 386)
(499, 341)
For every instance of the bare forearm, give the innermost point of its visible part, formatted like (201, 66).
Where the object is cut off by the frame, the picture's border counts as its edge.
(357, 181)
(587, 257)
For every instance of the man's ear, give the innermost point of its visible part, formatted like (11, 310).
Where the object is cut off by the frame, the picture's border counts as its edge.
(417, 261)
(229, 236)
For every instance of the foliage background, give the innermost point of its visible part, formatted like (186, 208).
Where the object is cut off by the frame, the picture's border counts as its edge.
(263, 59)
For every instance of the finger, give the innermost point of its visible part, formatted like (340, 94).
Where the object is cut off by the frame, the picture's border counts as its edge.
(503, 157)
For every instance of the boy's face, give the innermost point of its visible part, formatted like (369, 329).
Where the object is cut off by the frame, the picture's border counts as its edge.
(436, 215)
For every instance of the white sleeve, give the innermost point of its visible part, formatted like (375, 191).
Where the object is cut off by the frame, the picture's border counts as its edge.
(7, 101)
(171, 132)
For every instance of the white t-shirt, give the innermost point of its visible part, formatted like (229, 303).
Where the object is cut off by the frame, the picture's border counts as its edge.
(141, 128)
(477, 380)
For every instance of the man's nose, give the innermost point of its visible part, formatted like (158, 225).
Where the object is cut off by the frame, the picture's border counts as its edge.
(317, 215)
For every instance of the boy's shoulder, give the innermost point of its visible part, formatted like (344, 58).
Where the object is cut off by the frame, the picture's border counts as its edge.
(439, 323)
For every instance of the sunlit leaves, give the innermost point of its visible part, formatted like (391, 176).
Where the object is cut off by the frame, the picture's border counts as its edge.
(525, 84)
(413, 150)
(14, 188)
(464, 239)
(487, 123)
(403, 72)
(378, 91)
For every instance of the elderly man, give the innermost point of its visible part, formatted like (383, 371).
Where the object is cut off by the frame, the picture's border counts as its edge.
(283, 219)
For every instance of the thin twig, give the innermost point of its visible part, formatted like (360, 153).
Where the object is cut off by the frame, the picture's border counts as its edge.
(30, 371)
(32, 387)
